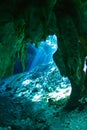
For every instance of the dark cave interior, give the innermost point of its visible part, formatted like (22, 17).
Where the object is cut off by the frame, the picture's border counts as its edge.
(41, 36)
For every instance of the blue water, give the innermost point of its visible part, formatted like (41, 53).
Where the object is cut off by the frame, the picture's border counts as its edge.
(45, 51)
(37, 56)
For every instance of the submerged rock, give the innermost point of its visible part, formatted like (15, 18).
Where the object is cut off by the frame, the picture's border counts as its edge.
(26, 99)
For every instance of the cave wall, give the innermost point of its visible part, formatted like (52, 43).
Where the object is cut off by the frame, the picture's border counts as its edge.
(72, 25)
(22, 21)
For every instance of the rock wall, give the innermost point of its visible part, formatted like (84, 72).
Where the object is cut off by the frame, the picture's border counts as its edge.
(22, 21)
(72, 22)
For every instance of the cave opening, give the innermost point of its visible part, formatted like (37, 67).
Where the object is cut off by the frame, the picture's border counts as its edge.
(40, 88)
(43, 54)
(40, 63)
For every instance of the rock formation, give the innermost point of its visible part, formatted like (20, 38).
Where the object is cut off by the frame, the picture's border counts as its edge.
(71, 22)
(23, 21)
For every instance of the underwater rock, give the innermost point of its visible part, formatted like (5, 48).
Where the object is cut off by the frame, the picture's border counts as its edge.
(25, 97)
(24, 21)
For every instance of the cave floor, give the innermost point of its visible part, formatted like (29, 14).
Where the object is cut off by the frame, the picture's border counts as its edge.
(36, 100)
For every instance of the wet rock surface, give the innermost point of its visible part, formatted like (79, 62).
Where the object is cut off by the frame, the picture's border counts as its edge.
(36, 100)
(29, 100)
(25, 21)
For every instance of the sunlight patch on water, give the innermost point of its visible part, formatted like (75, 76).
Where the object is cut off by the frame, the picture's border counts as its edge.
(51, 40)
(26, 82)
(53, 68)
(63, 93)
(37, 98)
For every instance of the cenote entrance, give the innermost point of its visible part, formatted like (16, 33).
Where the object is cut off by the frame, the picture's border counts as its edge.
(35, 94)
(40, 65)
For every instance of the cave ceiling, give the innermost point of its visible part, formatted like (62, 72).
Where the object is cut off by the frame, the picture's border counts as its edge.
(23, 21)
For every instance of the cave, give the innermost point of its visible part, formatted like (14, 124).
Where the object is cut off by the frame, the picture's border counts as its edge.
(41, 36)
